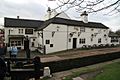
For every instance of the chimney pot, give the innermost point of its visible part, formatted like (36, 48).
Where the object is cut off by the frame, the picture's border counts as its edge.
(84, 17)
(18, 17)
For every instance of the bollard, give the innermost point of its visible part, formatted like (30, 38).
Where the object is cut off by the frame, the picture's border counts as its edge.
(37, 67)
(46, 72)
(8, 68)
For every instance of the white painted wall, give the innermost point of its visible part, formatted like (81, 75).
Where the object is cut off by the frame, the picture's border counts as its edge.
(87, 35)
(14, 31)
(59, 40)
(61, 37)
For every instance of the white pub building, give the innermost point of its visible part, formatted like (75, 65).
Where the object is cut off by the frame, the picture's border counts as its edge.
(56, 34)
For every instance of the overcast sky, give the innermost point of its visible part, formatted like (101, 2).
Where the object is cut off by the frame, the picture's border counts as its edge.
(36, 9)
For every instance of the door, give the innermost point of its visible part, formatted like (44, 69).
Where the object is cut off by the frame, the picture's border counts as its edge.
(26, 44)
(74, 42)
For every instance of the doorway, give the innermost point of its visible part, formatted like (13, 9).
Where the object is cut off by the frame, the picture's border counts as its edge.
(74, 42)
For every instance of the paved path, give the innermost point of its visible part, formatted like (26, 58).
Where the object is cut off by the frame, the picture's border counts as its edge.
(77, 78)
(52, 58)
(69, 54)
(77, 54)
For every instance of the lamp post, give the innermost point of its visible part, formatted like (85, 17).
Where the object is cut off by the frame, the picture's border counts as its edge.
(26, 47)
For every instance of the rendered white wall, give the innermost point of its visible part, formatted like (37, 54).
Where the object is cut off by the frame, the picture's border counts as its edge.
(59, 40)
(14, 31)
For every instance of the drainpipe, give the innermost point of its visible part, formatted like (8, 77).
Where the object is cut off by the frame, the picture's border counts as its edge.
(67, 38)
(44, 48)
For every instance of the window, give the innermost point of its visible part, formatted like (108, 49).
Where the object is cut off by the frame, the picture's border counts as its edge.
(99, 40)
(114, 39)
(33, 44)
(28, 31)
(69, 40)
(19, 43)
(82, 41)
(82, 29)
(9, 31)
(91, 39)
(16, 43)
(51, 45)
(106, 39)
(20, 31)
(12, 43)
(1, 31)
(47, 41)
(57, 28)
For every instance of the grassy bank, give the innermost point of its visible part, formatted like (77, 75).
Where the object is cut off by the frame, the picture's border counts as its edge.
(110, 72)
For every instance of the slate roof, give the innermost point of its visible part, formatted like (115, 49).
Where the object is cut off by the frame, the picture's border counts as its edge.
(39, 25)
(26, 23)
(70, 22)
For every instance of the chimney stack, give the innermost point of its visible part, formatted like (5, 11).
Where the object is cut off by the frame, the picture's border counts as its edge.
(49, 12)
(18, 17)
(84, 17)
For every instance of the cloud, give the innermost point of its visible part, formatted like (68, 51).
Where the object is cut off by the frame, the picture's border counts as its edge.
(36, 9)
(113, 22)
(24, 10)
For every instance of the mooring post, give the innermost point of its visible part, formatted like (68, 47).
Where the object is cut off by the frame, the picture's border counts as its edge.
(46, 72)
(8, 67)
(37, 67)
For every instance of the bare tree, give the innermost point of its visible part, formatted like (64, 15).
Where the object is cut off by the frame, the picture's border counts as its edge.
(89, 5)
(118, 32)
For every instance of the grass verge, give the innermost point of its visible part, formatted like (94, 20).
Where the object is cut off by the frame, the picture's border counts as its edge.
(110, 72)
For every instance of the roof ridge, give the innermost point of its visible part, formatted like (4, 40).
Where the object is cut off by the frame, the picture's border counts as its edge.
(73, 20)
(14, 22)
(22, 19)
